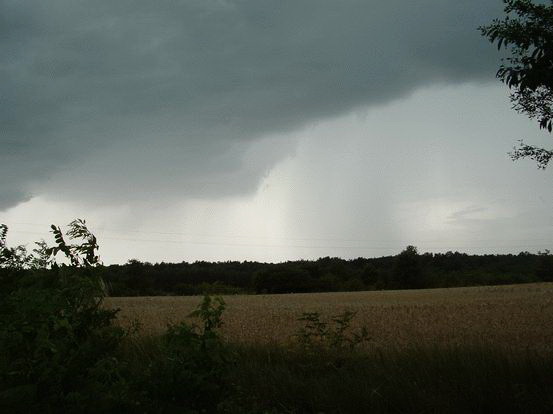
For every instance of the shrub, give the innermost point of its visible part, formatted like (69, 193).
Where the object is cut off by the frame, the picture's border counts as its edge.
(56, 343)
(61, 351)
(189, 371)
(335, 335)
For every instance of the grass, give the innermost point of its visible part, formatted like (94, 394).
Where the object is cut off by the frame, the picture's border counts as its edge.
(461, 350)
(460, 379)
(517, 317)
(422, 380)
(424, 355)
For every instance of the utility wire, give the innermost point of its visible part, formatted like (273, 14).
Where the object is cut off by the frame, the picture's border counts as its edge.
(257, 245)
(545, 240)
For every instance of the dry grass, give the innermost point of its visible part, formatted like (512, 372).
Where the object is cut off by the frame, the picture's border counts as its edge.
(515, 316)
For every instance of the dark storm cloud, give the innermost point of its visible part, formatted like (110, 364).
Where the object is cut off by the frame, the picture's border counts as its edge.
(136, 99)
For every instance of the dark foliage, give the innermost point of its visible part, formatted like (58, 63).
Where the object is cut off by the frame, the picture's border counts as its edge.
(544, 270)
(56, 343)
(407, 270)
(436, 380)
(60, 350)
(527, 32)
(187, 371)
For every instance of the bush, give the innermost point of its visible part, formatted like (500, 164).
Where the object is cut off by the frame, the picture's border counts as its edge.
(60, 350)
(188, 371)
(57, 343)
(335, 335)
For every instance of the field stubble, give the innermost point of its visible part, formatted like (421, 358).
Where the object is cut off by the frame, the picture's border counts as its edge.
(516, 317)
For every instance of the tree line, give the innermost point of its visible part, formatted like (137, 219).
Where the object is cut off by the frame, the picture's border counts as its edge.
(406, 270)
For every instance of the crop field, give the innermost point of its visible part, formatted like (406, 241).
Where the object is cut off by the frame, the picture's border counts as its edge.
(518, 317)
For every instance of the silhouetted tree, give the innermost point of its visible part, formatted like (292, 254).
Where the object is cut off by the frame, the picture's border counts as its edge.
(284, 280)
(327, 274)
(369, 275)
(12, 257)
(79, 254)
(408, 270)
(544, 269)
(527, 31)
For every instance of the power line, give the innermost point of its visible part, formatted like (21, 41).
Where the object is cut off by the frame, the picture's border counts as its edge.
(545, 240)
(257, 245)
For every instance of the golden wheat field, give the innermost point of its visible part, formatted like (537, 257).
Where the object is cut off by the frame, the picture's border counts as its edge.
(516, 316)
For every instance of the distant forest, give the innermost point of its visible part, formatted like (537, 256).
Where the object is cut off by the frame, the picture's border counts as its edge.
(407, 270)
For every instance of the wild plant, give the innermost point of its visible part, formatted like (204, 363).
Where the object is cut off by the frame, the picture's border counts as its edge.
(82, 254)
(55, 337)
(335, 335)
(191, 372)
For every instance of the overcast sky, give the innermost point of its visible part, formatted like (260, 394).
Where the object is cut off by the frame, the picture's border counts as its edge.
(262, 130)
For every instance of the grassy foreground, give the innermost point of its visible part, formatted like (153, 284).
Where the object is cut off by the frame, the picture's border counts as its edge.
(460, 350)
(445, 364)
(281, 379)
(63, 350)
(418, 380)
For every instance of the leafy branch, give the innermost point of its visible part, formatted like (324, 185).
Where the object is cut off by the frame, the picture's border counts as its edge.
(81, 254)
